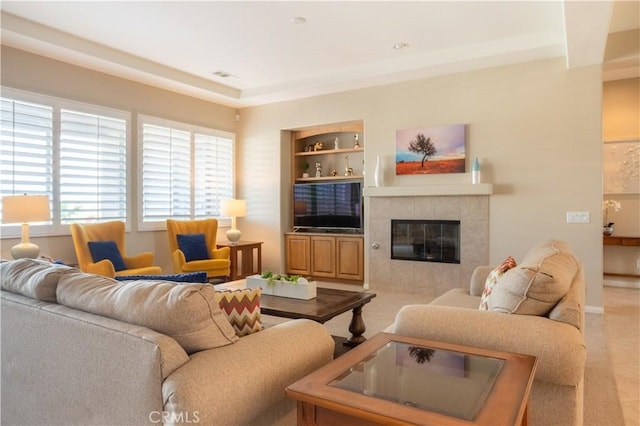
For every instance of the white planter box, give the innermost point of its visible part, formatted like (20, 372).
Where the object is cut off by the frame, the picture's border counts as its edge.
(302, 289)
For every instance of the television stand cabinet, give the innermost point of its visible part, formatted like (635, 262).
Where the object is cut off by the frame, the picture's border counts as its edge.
(324, 256)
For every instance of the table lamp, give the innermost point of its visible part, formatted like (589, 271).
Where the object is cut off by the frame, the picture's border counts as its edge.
(233, 208)
(24, 209)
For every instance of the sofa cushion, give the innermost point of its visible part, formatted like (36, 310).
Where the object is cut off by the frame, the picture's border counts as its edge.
(457, 298)
(242, 308)
(101, 250)
(194, 246)
(493, 278)
(535, 286)
(33, 278)
(189, 277)
(188, 313)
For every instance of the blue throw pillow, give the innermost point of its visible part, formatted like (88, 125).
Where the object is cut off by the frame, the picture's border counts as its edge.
(189, 277)
(193, 246)
(107, 250)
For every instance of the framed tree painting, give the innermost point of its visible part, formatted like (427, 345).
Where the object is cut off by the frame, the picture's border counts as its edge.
(430, 150)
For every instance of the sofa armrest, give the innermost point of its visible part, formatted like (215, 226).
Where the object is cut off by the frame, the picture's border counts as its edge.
(478, 278)
(559, 347)
(234, 384)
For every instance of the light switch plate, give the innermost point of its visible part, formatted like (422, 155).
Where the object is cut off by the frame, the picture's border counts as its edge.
(578, 217)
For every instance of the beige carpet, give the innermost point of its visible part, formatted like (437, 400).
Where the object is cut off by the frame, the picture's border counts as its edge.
(602, 406)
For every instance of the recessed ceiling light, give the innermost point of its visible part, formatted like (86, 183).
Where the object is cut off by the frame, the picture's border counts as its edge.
(297, 20)
(400, 46)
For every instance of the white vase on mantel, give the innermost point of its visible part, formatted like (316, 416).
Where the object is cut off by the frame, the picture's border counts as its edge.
(475, 172)
(378, 175)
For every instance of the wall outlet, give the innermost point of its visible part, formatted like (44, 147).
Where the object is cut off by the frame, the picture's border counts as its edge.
(578, 217)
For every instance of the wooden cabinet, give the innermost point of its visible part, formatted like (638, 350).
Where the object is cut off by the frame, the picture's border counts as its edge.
(298, 254)
(321, 256)
(349, 258)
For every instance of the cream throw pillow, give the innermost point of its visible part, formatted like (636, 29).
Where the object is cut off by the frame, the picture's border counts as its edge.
(492, 280)
(188, 313)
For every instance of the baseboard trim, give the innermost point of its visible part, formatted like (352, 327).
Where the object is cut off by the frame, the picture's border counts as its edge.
(623, 283)
(594, 310)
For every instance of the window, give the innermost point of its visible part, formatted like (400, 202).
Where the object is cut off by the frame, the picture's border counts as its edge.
(74, 153)
(93, 168)
(186, 171)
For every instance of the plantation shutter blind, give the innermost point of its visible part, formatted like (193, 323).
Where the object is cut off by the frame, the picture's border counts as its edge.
(213, 174)
(93, 175)
(26, 148)
(166, 175)
(186, 171)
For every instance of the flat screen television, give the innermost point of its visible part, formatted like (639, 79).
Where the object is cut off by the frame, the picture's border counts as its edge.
(328, 205)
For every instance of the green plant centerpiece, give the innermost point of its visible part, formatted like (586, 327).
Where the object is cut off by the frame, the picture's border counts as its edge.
(284, 285)
(305, 167)
(273, 278)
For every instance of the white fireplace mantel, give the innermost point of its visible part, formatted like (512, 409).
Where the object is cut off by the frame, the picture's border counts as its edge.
(429, 190)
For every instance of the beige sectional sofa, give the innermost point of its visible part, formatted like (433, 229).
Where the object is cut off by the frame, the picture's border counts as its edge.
(83, 349)
(537, 309)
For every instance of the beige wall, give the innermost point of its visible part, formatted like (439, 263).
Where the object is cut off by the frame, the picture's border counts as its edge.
(536, 127)
(34, 73)
(621, 121)
(621, 109)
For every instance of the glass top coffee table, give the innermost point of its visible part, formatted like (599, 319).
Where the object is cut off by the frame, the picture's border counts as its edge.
(397, 379)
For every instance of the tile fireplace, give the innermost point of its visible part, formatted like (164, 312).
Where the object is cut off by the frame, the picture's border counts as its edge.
(425, 240)
(393, 273)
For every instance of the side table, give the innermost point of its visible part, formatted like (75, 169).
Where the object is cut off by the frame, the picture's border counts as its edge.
(246, 258)
(633, 242)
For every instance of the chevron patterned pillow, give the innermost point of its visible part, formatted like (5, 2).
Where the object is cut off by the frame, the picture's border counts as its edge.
(242, 308)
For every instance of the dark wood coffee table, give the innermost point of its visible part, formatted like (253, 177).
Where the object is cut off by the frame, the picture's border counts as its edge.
(328, 303)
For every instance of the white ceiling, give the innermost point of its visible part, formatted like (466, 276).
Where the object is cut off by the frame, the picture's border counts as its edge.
(343, 45)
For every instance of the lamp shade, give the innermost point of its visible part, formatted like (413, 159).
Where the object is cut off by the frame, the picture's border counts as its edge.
(233, 208)
(25, 208)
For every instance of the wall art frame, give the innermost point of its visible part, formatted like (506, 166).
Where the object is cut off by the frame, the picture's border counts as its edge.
(621, 166)
(431, 150)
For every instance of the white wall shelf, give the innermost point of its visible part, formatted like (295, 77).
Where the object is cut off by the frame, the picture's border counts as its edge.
(429, 190)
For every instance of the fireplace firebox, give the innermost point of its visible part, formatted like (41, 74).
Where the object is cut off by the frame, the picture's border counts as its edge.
(426, 240)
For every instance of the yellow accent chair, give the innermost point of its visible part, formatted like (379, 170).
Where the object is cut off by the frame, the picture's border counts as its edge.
(86, 237)
(215, 262)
